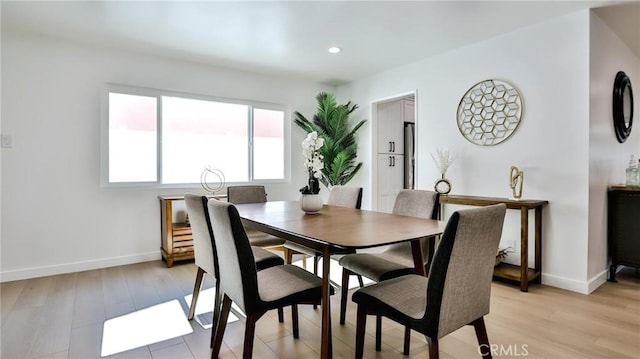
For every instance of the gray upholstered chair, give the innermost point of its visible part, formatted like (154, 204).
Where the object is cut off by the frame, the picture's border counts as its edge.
(205, 253)
(255, 292)
(397, 259)
(340, 196)
(254, 194)
(457, 291)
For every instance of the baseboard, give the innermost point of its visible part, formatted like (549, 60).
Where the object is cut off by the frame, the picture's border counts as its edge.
(598, 280)
(35, 272)
(565, 283)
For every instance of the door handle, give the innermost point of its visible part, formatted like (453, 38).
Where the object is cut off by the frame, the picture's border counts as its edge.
(390, 161)
(393, 146)
(390, 146)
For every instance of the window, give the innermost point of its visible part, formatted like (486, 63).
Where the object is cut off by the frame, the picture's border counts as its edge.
(168, 139)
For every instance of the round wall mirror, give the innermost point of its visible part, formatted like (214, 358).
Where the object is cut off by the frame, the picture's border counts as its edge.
(622, 106)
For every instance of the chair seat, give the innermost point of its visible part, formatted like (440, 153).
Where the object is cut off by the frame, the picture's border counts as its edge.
(265, 259)
(261, 239)
(309, 251)
(378, 267)
(401, 297)
(288, 284)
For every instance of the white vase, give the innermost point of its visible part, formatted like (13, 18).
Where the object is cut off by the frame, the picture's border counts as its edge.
(310, 203)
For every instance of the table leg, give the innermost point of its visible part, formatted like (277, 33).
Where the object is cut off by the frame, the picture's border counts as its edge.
(524, 249)
(418, 258)
(538, 243)
(326, 347)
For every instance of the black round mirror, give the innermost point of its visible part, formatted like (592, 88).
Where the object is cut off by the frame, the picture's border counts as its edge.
(622, 106)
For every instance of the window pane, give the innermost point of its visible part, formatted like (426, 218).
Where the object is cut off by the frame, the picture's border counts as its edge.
(268, 144)
(198, 133)
(132, 138)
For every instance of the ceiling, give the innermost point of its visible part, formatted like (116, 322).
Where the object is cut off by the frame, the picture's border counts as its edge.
(291, 38)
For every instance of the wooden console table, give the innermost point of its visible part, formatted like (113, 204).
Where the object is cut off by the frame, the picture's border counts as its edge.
(176, 241)
(521, 274)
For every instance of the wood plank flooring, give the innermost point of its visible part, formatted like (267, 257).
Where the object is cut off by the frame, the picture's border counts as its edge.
(62, 317)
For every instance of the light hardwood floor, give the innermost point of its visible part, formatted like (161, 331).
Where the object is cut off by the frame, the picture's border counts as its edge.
(62, 317)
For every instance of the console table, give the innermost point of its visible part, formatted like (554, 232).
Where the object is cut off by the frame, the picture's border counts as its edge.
(176, 241)
(522, 273)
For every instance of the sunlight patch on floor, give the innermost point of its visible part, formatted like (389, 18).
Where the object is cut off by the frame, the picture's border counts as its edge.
(204, 308)
(143, 327)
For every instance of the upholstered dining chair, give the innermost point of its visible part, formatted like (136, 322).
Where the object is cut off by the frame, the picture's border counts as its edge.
(205, 254)
(254, 194)
(255, 292)
(457, 291)
(340, 196)
(396, 260)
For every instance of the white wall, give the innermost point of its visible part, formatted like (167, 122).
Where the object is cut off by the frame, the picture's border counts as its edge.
(608, 158)
(548, 63)
(56, 218)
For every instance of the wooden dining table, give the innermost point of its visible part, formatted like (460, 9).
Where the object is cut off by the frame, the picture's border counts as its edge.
(334, 229)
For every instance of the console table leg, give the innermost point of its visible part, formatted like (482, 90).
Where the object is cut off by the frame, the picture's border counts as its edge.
(524, 249)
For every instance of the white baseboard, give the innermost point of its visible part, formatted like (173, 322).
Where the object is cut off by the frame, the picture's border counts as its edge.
(565, 283)
(35, 272)
(598, 280)
(575, 285)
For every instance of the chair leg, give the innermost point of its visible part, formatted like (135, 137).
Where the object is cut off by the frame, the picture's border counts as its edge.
(483, 339)
(434, 353)
(343, 296)
(196, 292)
(216, 311)
(304, 261)
(360, 281)
(294, 321)
(280, 315)
(378, 332)
(249, 332)
(361, 322)
(288, 255)
(222, 324)
(407, 340)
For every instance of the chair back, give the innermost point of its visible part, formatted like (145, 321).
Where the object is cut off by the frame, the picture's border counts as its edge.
(459, 288)
(345, 196)
(414, 203)
(238, 273)
(203, 246)
(246, 194)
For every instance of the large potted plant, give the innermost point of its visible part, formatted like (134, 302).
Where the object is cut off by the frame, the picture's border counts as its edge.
(339, 150)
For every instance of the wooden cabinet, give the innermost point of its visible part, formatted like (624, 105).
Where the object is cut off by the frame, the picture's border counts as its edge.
(521, 274)
(176, 240)
(391, 127)
(623, 227)
(391, 117)
(390, 180)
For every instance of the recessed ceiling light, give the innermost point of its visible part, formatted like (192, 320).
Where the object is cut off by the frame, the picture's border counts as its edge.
(334, 49)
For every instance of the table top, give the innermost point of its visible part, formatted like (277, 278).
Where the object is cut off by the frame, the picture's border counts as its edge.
(338, 226)
(486, 201)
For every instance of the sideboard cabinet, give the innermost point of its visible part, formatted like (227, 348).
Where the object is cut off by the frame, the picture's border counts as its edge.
(623, 227)
(177, 240)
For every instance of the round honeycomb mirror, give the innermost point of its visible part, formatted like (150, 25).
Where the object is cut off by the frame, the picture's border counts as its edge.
(489, 112)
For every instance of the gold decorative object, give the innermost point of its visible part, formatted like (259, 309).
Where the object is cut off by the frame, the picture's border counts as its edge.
(516, 179)
(213, 188)
(445, 159)
(489, 112)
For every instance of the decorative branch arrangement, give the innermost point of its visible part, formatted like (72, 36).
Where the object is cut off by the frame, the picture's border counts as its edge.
(445, 159)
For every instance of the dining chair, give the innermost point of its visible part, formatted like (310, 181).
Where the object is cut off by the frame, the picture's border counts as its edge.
(254, 194)
(340, 196)
(395, 260)
(255, 292)
(457, 291)
(205, 254)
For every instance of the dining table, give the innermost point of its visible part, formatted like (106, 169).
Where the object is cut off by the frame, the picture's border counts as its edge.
(336, 229)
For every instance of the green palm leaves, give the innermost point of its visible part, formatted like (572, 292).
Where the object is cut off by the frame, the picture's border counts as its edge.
(340, 147)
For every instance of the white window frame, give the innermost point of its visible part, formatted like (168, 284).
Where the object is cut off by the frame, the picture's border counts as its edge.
(140, 91)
